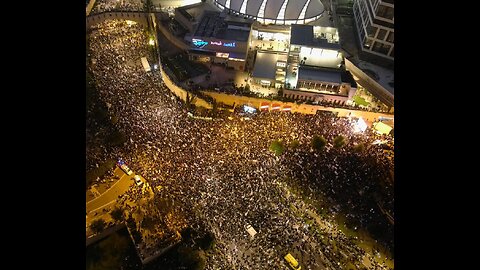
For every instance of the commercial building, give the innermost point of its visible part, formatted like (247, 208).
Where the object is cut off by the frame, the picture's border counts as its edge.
(374, 20)
(316, 68)
(214, 36)
(275, 11)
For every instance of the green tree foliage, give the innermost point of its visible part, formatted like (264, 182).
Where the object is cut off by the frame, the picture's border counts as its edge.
(318, 142)
(339, 141)
(295, 144)
(358, 148)
(98, 225)
(277, 147)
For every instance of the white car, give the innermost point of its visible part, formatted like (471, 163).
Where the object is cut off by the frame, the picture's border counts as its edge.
(138, 181)
(126, 169)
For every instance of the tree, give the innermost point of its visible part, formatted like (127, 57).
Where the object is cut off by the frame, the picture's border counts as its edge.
(277, 147)
(98, 225)
(148, 223)
(318, 142)
(359, 148)
(208, 241)
(187, 234)
(247, 87)
(339, 141)
(295, 144)
(117, 214)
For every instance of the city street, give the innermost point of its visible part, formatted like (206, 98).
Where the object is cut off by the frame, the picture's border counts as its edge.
(117, 189)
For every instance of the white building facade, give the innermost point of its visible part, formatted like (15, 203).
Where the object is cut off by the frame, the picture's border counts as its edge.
(374, 20)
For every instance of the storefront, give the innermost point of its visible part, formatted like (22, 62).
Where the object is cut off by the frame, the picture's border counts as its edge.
(228, 52)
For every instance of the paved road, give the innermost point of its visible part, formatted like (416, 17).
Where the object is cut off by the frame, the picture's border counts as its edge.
(118, 188)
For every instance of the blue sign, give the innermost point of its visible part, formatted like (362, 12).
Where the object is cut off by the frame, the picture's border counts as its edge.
(199, 43)
(231, 44)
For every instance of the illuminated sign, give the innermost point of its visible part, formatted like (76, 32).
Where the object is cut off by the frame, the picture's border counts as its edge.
(202, 43)
(281, 64)
(231, 44)
(199, 43)
(222, 55)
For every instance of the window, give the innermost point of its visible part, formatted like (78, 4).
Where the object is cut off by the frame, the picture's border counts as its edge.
(385, 12)
(389, 13)
(371, 30)
(390, 37)
(380, 10)
(381, 34)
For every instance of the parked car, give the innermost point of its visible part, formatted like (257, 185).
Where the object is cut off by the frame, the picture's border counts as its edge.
(138, 180)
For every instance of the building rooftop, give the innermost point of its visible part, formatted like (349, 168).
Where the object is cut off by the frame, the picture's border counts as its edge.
(266, 64)
(319, 74)
(192, 12)
(382, 75)
(314, 36)
(213, 24)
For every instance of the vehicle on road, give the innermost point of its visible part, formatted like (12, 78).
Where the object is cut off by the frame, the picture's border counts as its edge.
(124, 167)
(292, 262)
(137, 179)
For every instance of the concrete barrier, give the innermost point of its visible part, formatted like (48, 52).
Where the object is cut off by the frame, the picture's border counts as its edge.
(182, 93)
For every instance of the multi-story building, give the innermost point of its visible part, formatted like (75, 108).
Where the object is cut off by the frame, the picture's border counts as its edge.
(214, 36)
(374, 20)
(316, 68)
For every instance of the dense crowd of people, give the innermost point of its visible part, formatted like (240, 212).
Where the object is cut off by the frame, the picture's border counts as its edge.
(222, 173)
(118, 5)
